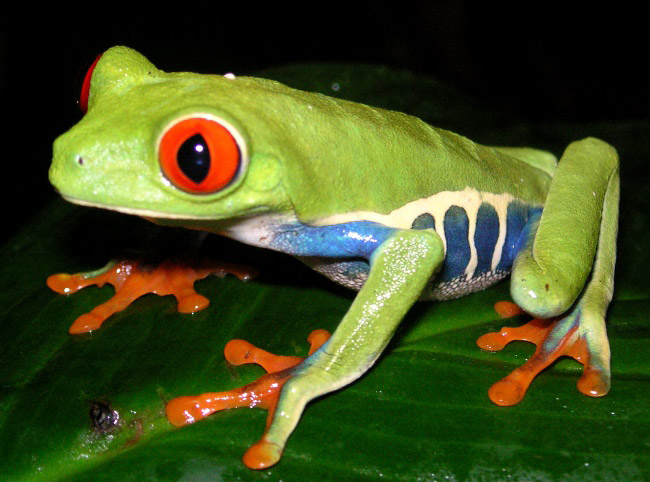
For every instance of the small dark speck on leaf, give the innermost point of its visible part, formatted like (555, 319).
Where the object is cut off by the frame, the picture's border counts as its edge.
(102, 416)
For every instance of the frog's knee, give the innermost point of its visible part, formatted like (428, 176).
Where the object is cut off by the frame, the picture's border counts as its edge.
(543, 293)
(592, 149)
(542, 298)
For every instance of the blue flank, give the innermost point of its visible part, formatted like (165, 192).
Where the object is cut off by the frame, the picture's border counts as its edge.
(359, 239)
(520, 222)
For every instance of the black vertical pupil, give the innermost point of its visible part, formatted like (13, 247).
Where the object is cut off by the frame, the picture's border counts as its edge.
(194, 158)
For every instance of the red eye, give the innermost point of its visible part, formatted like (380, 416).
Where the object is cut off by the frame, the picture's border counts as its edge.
(85, 87)
(199, 155)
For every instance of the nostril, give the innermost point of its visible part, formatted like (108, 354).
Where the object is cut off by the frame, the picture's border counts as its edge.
(80, 160)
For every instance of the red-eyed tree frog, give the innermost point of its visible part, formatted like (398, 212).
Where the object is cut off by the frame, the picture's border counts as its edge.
(376, 200)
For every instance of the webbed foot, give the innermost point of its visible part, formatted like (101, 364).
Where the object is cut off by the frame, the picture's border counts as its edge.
(132, 279)
(580, 337)
(263, 393)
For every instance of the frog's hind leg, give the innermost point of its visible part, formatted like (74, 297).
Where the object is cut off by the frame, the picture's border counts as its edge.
(573, 247)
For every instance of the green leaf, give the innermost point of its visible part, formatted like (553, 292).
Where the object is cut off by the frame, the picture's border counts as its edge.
(422, 413)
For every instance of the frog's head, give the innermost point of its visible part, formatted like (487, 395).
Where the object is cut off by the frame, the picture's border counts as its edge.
(170, 146)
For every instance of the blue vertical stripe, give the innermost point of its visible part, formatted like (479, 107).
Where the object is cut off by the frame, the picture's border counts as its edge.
(456, 224)
(485, 237)
(521, 224)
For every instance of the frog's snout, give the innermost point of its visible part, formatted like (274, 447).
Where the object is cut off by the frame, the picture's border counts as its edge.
(65, 162)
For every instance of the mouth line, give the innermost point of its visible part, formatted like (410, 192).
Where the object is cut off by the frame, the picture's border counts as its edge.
(145, 213)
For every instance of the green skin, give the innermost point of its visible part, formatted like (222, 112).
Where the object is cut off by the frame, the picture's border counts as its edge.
(312, 158)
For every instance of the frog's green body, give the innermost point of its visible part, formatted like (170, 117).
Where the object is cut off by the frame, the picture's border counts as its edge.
(376, 200)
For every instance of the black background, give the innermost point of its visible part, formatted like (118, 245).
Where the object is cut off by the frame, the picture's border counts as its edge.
(548, 62)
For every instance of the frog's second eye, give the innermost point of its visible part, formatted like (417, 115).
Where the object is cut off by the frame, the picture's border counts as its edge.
(199, 155)
(85, 86)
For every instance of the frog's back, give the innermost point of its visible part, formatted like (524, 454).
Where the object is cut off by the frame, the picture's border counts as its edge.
(341, 156)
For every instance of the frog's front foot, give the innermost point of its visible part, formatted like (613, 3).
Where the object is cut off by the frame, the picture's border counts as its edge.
(575, 334)
(132, 279)
(264, 393)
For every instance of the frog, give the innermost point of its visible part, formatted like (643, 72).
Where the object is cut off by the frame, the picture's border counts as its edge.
(376, 200)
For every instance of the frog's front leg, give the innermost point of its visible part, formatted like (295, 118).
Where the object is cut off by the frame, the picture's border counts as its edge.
(565, 274)
(399, 270)
(133, 279)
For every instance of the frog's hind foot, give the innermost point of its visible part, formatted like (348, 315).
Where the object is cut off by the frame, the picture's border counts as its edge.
(573, 335)
(263, 393)
(132, 279)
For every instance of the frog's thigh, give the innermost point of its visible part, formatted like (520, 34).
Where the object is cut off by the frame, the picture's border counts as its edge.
(578, 225)
(400, 269)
